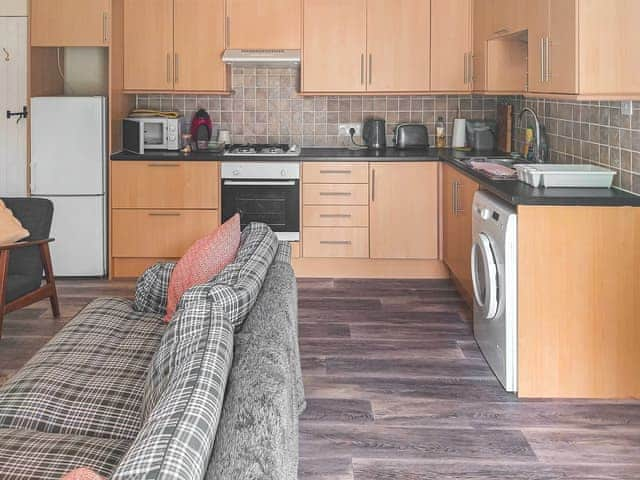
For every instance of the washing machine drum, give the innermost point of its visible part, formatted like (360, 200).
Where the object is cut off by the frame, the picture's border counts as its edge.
(484, 273)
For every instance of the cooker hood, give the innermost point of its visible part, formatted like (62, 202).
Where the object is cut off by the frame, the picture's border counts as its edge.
(262, 58)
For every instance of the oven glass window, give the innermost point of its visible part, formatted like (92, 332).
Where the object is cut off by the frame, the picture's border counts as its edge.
(153, 134)
(273, 203)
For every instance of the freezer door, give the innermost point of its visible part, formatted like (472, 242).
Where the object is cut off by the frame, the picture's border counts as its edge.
(79, 249)
(68, 148)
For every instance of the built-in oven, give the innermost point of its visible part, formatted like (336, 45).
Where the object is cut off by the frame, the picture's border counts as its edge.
(266, 192)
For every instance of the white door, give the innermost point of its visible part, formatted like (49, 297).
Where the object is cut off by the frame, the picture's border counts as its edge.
(13, 98)
(68, 148)
(78, 227)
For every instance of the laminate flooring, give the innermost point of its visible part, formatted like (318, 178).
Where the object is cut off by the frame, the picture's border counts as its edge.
(397, 389)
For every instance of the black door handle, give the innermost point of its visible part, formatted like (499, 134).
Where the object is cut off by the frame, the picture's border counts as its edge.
(23, 114)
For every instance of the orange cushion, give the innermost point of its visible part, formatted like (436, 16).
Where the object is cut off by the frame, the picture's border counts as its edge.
(82, 474)
(203, 261)
(11, 229)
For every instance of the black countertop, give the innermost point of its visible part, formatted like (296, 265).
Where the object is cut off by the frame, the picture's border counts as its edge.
(511, 191)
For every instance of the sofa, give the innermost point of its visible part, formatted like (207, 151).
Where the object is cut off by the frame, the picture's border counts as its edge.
(214, 394)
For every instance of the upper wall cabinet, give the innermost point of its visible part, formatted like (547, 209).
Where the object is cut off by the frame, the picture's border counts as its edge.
(256, 24)
(482, 27)
(451, 46)
(347, 46)
(174, 45)
(508, 16)
(70, 23)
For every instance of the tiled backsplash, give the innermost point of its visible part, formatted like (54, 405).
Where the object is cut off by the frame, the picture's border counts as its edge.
(588, 132)
(266, 108)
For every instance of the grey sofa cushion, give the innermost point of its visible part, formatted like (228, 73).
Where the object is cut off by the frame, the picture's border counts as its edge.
(88, 380)
(258, 433)
(184, 392)
(152, 288)
(236, 288)
(27, 454)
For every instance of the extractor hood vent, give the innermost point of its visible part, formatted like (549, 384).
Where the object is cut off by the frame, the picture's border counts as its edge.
(262, 58)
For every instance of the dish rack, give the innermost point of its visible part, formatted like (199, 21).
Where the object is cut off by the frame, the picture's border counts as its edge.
(567, 176)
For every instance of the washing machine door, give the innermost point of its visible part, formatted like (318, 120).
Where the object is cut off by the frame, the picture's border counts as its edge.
(484, 273)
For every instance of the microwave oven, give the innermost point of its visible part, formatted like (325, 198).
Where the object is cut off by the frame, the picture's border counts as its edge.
(151, 133)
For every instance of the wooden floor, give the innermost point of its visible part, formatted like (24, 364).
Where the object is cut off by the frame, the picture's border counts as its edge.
(397, 389)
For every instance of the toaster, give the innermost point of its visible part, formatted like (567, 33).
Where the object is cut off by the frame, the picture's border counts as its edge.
(411, 135)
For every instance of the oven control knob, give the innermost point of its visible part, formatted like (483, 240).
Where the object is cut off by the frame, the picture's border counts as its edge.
(283, 173)
(236, 172)
(485, 214)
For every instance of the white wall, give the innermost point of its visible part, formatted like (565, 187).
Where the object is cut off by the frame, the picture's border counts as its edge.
(13, 8)
(86, 71)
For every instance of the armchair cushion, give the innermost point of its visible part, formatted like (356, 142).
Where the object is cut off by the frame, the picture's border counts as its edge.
(11, 230)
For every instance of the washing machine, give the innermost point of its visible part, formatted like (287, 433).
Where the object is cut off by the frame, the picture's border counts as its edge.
(494, 271)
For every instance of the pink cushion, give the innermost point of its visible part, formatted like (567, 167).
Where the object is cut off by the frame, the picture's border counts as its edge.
(203, 261)
(82, 474)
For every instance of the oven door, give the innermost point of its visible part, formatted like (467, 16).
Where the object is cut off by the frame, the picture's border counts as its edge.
(274, 202)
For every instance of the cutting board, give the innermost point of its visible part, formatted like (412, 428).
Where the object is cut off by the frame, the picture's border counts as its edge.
(504, 126)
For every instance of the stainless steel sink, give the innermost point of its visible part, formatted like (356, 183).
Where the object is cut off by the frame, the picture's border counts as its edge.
(506, 161)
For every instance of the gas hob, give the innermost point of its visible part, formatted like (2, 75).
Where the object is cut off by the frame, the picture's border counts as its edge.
(263, 150)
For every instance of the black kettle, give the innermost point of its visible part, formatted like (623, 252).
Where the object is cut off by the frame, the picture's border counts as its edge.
(374, 133)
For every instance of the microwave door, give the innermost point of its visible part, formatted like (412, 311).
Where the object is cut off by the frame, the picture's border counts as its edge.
(155, 135)
(132, 136)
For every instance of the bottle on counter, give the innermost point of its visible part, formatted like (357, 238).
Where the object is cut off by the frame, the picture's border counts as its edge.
(441, 136)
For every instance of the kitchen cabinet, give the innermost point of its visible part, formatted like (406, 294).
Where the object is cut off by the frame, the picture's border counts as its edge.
(256, 24)
(334, 46)
(451, 49)
(347, 47)
(399, 62)
(403, 212)
(158, 210)
(508, 16)
(174, 45)
(553, 46)
(70, 23)
(482, 26)
(457, 199)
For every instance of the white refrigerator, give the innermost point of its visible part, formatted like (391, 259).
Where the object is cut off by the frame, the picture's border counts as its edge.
(68, 166)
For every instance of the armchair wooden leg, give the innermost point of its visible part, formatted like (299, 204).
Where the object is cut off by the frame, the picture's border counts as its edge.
(50, 279)
(4, 269)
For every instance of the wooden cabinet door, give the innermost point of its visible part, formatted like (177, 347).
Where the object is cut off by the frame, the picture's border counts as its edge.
(563, 47)
(258, 24)
(538, 15)
(70, 23)
(450, 45)
(509, 16)
(482, 25)
(398, 62)
(199, 41)
(403, 212)
(148, 44)
(334, 46)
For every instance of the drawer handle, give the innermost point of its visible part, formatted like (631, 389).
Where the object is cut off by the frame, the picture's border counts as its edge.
(163, 165)
(335, 194)
(335, 242)
(335, 215)
(335, 172)
(164, 214)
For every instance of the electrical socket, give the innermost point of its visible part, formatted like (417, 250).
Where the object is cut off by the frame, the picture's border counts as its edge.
(343, 129)
(627, 108)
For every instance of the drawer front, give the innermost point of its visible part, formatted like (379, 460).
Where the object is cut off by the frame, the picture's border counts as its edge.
(159, 233)
(336, 242)
(336, 216)
(341, 194)
(335, 172)
(165, 184)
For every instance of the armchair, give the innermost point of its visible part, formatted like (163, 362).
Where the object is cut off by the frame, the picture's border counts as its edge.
(22, 263)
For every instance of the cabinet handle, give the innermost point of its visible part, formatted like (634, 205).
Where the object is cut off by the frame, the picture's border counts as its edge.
(163, 165)
(542, 61)
(335, 215)
(373, 185)
(105, 27)
(548, 57)
(370, 68)
(459, 208)
(335, 194)
(164, 214)
(169, 68)
(362, 68)
(335, 242)
(466, 66)
(454, 197)
(176, 68)
(335, 172)
(471, 72)
(227, 37)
